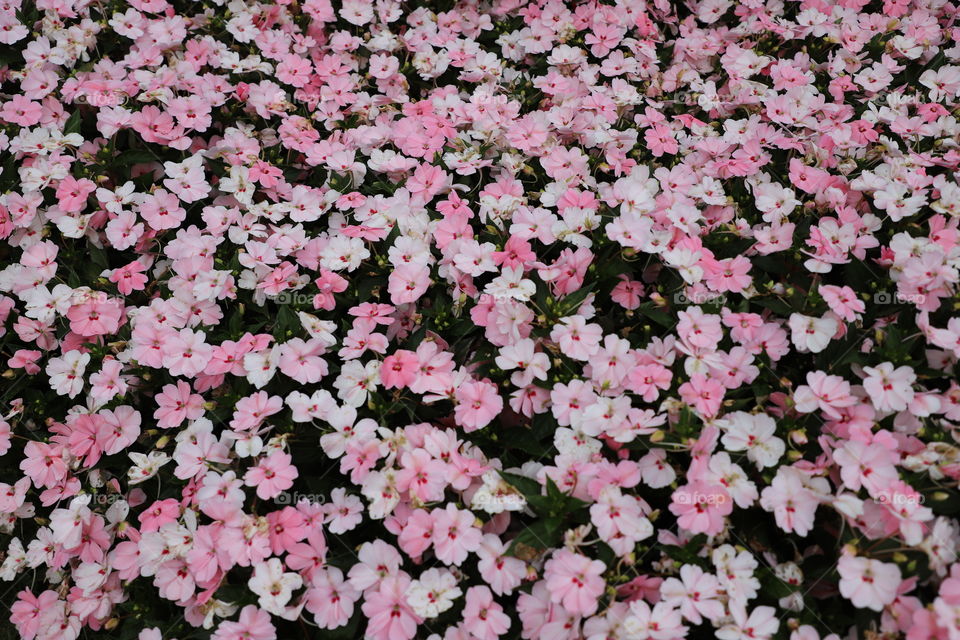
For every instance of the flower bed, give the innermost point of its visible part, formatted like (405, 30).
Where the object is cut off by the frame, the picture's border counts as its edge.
(455, 320)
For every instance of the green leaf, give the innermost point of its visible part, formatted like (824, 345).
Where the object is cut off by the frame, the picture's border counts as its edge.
(658, 315)
(73, 123)
(527, 486)
(136, 156)
(541, 535)
(570, 303)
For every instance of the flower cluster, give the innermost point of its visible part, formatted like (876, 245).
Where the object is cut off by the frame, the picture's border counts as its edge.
(479, 319)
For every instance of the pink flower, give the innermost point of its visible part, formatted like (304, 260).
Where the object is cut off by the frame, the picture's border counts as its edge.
(701, 507)
(22, 111)
(869, 465)
(25, 359)
(843, 301)
(502, 572)
(388, 614)
(483, 616)
(253, 624)
(72, 193)
(696, 593)
(408, 282)
(868, 583)
(272, 475)
(26, 612)
(399, 369)
(329, 284)
(186, 353)
(174, 581)
(158, 514)
(761, 624)
(44, 463)
(660, 622)
(129, 278)
(161, 210)
(286, 529)
(477, 404)
(574, 581)
(660, 140)
(647, 380)
(331, 599)
(454, 534)
(792, 503)
(422, 476)
(4, 436)
(627, 293)
(704, 394)
(825, 392)
(177, 404)
(730, 274)
(95, 318)
(889, 389)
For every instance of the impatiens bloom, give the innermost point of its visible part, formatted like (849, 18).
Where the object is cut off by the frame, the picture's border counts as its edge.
(477, 404)
(695, 592)
(574, 581)
(701, 508)
(483, 616)
(253, 624)
(811, 334)
(760, 624)
(433, 593)
(399, 369)
(273, 585)
(889, 389)
(868, 583)
(458, 320)
(272, 475)
(389, 615)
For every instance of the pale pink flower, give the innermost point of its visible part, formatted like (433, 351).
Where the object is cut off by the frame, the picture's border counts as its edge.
(574, 581)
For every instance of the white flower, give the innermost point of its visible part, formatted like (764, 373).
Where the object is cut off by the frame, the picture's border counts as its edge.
(274, 586)
(238, 184)
(511, 284)
(433, 593)
(755, 434)
(496, 495)
(356, 381)
(43, 304)
(322, 330)
(15, 561)
(811, 334)
(261, 365)
(521, 355)
(90, 576)
(66, 373)
(761, 624)
(145, 466)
